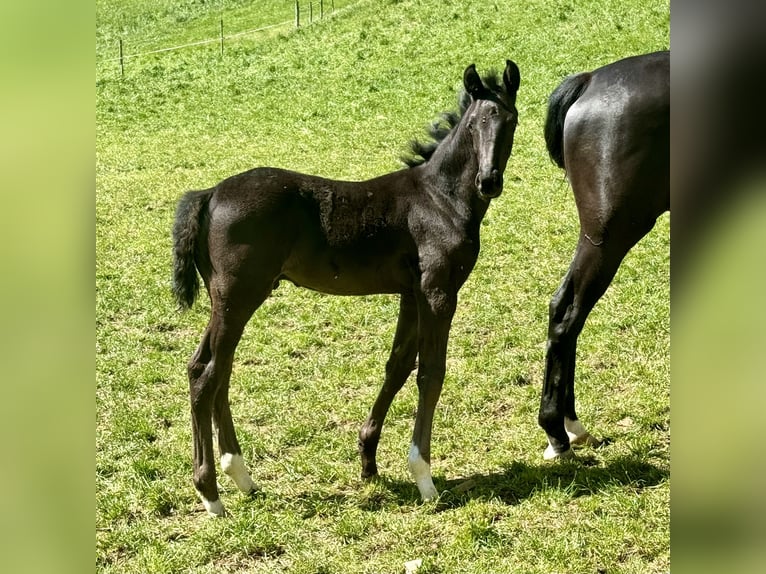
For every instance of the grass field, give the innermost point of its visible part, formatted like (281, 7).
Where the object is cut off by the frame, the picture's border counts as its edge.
(341, 98)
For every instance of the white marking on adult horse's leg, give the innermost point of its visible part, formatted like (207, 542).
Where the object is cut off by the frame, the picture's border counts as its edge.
(577, 433)
(234, 466)
(421, 472)
(214, 508)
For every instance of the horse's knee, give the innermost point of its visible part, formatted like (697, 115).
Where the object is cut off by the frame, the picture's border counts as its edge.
(559, 332)
(400, 364)
(559, 308)
(565, 326)
(431, 378)
(554, 307)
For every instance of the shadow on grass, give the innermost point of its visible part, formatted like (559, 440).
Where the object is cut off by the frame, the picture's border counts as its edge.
(518, 481)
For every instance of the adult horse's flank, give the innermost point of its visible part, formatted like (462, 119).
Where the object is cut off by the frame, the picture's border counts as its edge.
(610, 130)
(414, 232)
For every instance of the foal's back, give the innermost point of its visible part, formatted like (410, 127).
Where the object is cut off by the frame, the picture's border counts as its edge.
(338, 237)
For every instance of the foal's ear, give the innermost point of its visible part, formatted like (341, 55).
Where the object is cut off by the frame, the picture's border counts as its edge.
(511, 78)
(472, 82)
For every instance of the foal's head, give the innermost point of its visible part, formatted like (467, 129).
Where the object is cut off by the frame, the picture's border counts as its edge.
(491, 119)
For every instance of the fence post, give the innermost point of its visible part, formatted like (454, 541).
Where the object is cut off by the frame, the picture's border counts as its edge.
(221, 36)
(122, 65)
(321, 9)
(297, 14)
(311, 12)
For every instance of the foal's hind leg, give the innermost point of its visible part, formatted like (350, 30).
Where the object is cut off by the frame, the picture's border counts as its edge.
(231, 455)
(588, 277)
(399, 366)
(209, 374)
(202, 387)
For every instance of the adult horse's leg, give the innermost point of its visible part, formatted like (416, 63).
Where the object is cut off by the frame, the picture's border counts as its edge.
(590, 273)
(399, 366)
(209, 374)
(436, 308)
(586, 281)
(574, 428)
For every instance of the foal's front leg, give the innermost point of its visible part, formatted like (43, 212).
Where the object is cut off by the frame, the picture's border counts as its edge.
(400, 364)
(436, 309)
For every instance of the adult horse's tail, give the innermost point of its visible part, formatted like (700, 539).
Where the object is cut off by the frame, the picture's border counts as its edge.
(559, 103)
(190, 213)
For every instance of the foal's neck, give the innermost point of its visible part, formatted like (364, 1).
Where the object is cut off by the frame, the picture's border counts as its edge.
(452, 170)
(455, 157)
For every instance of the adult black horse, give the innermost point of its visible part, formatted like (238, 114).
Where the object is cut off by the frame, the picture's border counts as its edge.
(610, 130)
(414, 232)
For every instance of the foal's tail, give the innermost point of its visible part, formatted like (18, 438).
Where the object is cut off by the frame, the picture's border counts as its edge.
(559, 103)
(190, 214)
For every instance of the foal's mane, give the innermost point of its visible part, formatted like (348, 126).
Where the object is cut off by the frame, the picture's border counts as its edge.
(421, 152)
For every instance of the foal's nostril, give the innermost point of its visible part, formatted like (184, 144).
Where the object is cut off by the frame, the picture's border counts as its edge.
(484, 180)
(490, 185)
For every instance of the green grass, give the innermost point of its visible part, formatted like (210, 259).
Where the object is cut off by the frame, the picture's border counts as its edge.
(340, 99)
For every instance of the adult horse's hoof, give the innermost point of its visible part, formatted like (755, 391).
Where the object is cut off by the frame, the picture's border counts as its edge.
(578, 435)
(587, 439)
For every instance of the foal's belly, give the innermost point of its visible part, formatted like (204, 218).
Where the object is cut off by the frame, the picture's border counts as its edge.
(344, 274)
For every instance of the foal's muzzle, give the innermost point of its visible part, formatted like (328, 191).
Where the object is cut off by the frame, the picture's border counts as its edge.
(490, 186)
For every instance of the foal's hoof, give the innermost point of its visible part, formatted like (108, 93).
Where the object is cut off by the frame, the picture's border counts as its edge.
(551, 454)
(428, 491)
(214, 508)
(429, 496)
(234, 466)
(370, 471)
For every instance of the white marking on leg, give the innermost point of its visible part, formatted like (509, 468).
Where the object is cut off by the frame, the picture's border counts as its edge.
(550, 453)
(575, 429)
(214, 508)
(421, 472)
(234, 466)
(577, 433)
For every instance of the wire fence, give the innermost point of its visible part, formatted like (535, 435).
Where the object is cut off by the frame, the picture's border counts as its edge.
(299, 13)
